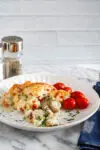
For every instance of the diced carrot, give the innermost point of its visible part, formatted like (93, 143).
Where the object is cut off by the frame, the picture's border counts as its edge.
(6, 104)
(34, 106)
(31, 116)
(41, 99)
(48, 90)
(22, 109)
(30, 94)
(61, 96)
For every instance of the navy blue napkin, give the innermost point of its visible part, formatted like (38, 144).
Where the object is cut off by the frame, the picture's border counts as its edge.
(90, 135)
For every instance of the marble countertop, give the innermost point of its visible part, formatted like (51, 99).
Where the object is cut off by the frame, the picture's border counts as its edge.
(66, 139)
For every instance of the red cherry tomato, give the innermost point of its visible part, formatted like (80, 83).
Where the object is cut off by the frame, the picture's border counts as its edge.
(68, 89)
(69, 103)
(59, 85)
(81, 102)
(77, 94)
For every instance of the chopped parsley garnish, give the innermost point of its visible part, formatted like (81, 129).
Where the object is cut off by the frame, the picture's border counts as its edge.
(71, 114)
(70, 119)
(77, 111)
(44, 123)
(48, 98)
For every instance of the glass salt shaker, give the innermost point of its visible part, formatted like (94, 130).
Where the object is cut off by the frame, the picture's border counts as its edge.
(12, 51)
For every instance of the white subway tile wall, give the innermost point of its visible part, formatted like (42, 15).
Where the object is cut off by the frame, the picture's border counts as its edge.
(54, 31)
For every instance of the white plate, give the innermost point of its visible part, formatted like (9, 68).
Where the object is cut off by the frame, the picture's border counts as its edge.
(15, 119)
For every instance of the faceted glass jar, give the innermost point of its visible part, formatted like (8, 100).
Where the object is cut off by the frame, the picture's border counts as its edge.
(12, 52)
(12, 66)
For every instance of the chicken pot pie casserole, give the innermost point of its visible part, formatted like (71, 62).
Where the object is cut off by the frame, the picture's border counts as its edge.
(39, 102)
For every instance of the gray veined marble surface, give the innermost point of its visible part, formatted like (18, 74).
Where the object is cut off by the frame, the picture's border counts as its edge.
(64, 139)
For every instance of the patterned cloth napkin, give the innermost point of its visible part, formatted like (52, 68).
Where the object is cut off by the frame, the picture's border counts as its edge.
(90, 135)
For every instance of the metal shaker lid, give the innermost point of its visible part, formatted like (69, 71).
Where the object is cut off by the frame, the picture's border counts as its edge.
(12, 44)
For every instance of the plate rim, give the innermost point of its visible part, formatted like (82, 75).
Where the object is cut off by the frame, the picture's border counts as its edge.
(43, 129)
